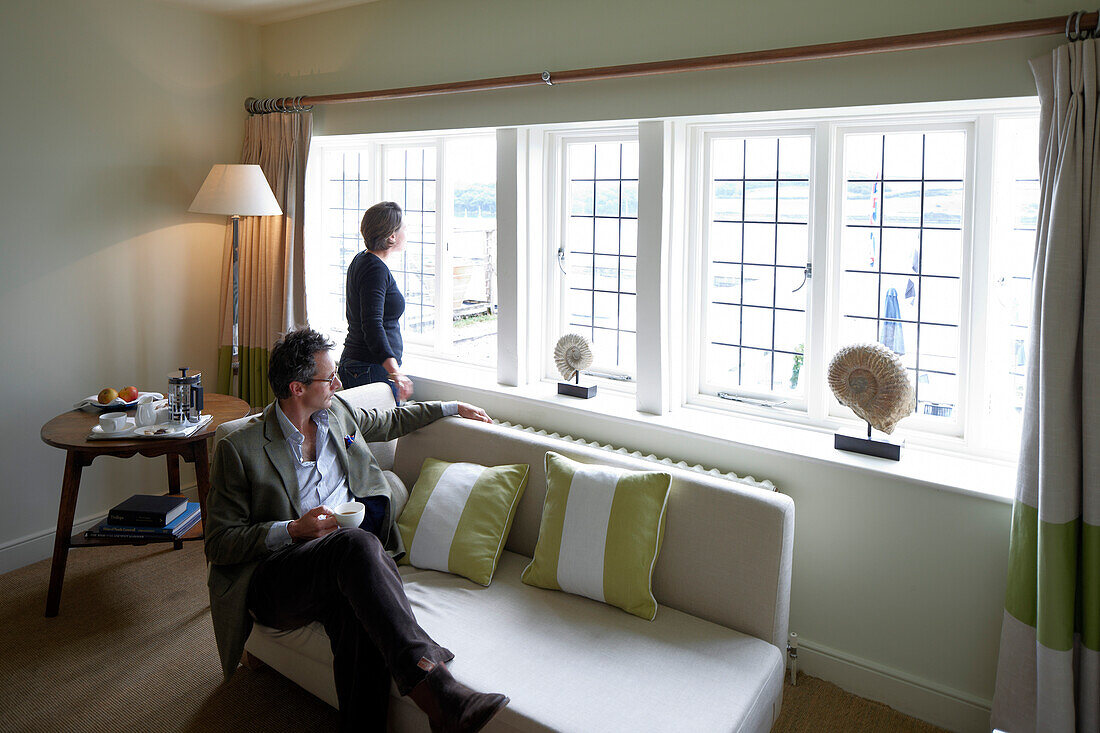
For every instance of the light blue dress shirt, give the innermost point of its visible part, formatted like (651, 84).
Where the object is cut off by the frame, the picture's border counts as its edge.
(321, 481)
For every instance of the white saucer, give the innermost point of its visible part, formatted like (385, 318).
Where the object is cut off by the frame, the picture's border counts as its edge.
(99, 432)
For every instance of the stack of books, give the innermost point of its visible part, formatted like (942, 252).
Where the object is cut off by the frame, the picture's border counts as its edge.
(145, 517)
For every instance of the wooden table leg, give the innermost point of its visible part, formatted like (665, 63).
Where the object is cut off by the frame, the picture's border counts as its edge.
(70, 486)
(174, 485)
(201, 458)
(173, 473)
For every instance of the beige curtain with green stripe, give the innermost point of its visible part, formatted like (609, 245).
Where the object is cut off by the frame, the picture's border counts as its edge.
(271, 289)
(1048, 672)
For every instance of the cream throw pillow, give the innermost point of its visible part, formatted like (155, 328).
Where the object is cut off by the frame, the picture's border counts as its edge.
(458, 516)
(601, 533)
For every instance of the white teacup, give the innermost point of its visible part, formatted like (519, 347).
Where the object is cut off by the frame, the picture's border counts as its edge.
(350, 514)
(112, 422)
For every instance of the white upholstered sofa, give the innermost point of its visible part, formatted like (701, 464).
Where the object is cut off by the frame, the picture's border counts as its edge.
(710, 661)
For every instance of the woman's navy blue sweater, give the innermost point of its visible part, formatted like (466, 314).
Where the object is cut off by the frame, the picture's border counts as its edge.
(374, 304)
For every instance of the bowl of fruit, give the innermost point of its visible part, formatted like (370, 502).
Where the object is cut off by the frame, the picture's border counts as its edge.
(116, 399)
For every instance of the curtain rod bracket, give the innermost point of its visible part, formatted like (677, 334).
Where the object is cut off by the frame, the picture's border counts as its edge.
(546, 78)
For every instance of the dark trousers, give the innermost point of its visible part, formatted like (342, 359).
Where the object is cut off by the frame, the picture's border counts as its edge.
(348, 582)
(354, 373)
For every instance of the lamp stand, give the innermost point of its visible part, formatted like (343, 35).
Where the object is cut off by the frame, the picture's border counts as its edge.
(235, 375)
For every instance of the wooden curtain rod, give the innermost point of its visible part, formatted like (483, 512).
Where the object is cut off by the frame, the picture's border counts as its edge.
(1076, 24)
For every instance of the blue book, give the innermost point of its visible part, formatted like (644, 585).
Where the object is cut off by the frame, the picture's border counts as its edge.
(175, 528)
(147, 510)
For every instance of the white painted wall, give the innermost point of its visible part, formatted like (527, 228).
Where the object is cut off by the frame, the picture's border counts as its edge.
(898, 585)
(113, 113)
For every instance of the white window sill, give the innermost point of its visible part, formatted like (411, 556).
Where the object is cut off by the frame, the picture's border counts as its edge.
(941, 470)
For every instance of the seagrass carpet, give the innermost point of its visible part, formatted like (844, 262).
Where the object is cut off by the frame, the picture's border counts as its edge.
(133, 650)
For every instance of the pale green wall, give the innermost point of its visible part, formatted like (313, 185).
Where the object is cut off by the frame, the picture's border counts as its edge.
(113, 112)
(396, 43)
(890, 571)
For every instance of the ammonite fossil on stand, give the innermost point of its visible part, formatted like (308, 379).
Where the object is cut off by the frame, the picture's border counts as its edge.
(871, 380)
(572, 354)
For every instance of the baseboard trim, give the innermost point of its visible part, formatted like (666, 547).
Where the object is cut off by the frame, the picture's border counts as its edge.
(932, 702)
(31, 548)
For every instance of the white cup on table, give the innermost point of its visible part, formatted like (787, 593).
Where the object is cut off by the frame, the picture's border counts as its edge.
(112, 422)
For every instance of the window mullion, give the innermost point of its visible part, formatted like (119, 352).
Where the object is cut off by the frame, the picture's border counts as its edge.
(678, 345)
(444, 288)
(654, 148)
(511, 258)
(976, 344)
(824, 203)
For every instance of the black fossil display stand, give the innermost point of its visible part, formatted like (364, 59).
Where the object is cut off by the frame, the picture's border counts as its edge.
(878, 448)
(576, 390)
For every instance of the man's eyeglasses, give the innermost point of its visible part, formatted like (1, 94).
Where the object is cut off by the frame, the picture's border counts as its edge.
(330, 380)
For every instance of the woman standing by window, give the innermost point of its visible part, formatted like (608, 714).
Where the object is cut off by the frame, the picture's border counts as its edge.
(373, 348)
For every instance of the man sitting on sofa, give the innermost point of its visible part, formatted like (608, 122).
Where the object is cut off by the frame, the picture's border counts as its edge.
(277, 555)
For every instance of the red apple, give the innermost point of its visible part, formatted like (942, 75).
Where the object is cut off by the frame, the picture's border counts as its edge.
(128, 394)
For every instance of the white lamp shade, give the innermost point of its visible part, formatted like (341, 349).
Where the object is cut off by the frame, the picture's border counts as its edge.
(236, 190)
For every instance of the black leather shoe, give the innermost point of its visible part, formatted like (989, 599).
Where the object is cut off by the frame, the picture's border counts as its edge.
(452, 707)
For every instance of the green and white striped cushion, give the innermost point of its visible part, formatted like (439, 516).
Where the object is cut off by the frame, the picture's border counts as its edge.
(601, 533)
(458, 516)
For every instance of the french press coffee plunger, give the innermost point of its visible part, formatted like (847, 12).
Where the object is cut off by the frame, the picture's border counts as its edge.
(185, 396)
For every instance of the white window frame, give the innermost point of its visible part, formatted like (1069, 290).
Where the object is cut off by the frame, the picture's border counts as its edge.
(702, 138)
(915, 422)
(533, 189)
(437, 345)
(557, 197)
(820, 410)
(440, 336)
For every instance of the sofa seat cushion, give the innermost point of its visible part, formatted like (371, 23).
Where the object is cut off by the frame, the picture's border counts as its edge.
(573, 664)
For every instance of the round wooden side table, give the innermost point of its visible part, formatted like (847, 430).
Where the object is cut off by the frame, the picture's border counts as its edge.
(69, 431)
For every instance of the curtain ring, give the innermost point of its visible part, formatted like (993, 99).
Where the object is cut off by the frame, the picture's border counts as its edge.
(1077, 27)
(1074, 20)
(1096, 29)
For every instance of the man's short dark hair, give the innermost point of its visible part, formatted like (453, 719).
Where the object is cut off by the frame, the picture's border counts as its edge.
(293, 359)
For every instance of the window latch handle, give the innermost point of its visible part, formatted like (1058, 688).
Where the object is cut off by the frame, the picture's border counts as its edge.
(807, 273)
(561, 259)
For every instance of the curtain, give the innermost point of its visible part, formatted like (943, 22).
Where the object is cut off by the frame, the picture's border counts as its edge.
(271, 290)
(1048, 672)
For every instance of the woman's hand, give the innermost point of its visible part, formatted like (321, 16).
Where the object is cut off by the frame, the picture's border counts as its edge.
(404, 386)
(471, 412)
(313, 524)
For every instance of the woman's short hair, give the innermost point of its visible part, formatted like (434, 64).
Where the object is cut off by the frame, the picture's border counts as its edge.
(379, 222)
(293, 359)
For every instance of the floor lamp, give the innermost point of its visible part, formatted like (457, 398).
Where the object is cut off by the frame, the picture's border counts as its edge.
(236, 191)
